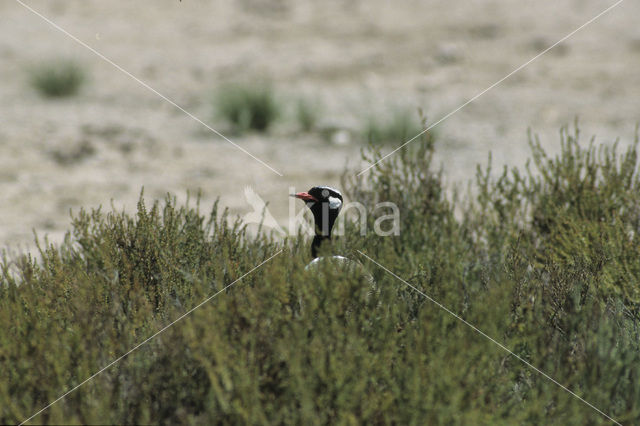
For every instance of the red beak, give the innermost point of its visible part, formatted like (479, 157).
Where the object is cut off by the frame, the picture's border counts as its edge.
(305, 196)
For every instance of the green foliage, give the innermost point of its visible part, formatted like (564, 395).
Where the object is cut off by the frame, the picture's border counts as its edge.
(58, 79)
(397, 127)
(544, 260)
(248, 107)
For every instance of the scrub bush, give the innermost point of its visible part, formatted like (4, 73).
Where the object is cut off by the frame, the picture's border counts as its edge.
(58, 79)
(396, 128)
(307, 114)
(545, 260)
(250, 107)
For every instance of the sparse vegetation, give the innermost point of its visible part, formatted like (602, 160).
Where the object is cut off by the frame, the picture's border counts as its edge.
(58, 79)
(396, 127)
(73, 154)
(248, 107)
(307, 113)
(545, 260)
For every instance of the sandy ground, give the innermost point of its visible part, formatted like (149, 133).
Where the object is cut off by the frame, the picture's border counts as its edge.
(357, 58)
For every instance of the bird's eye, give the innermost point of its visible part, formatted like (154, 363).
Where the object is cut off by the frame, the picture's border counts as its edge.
(325, 193)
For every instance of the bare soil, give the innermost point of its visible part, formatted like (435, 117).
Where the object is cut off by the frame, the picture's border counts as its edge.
(357, 58)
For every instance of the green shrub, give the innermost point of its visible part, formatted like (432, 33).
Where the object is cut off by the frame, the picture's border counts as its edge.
(248, 107)
(58, 79)
(400, 125)
(545, 260)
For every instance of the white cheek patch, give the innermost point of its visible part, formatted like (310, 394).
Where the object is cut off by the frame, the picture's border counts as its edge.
(334, 203)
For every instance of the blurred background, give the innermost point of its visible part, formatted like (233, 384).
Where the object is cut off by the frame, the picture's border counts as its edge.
(301, 85)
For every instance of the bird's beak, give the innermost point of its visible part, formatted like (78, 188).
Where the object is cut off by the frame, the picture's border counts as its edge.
(304, 196)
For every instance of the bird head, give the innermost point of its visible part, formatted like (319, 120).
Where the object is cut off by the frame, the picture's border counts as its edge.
(325, 204)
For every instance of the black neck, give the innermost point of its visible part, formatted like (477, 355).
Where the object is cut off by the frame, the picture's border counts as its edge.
(324, 219)
(317, 241)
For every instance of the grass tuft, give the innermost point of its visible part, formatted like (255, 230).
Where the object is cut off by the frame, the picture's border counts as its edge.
(307, 114)
(252, 107)
(58, 79)
(397, 127)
